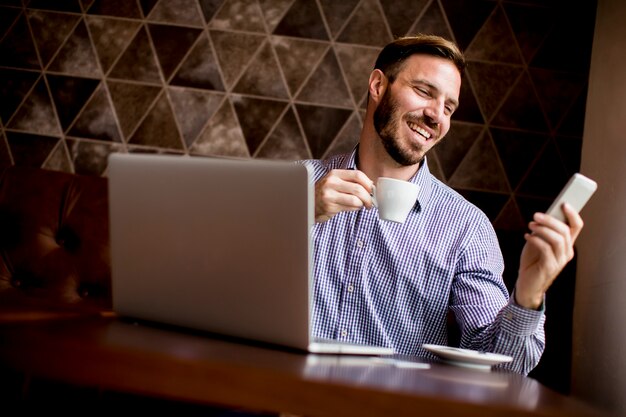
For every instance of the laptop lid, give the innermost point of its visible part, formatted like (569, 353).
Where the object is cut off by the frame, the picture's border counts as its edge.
(213, 244)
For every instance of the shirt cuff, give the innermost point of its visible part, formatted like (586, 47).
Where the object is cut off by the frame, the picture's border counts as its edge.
(519, 320)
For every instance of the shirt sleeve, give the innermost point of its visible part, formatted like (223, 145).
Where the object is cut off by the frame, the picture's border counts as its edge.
(489, 319)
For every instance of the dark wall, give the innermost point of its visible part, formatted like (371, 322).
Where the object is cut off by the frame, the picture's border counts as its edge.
(286, 79)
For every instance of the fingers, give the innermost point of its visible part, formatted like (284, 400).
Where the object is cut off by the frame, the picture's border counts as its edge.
(554, 237)
(341, 190)
(549, 247)
(574, 221)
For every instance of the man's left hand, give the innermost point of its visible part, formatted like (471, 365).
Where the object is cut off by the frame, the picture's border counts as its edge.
(549, 247)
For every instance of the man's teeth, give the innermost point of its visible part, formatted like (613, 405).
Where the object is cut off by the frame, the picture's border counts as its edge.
(419, 130)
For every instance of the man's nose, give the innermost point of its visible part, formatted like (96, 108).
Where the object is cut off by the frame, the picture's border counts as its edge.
(434, 112)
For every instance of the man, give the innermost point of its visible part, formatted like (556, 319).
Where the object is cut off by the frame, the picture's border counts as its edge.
(393, 284)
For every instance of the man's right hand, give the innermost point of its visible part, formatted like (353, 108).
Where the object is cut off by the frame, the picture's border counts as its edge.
(341, 190)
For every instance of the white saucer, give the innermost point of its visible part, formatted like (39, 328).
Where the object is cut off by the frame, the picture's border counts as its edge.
(466, 357)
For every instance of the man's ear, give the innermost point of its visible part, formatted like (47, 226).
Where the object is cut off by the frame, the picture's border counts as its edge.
(377, 85)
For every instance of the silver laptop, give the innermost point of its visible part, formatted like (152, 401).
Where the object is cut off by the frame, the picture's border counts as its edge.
(217, 245)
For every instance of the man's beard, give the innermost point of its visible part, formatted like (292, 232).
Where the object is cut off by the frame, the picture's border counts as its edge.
(388, 128)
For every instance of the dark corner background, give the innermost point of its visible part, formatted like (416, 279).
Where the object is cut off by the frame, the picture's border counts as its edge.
(286, 79)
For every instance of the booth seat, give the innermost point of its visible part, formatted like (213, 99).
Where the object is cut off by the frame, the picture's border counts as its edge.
(54, 244)
(55, 265)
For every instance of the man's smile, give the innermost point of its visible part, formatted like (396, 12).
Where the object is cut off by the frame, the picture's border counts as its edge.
(417, 129)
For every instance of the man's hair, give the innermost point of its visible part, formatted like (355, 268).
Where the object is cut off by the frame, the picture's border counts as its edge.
(393, 55)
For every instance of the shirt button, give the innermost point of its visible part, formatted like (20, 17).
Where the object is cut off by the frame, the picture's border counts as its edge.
(509, 315)
(350, 288)
(359, 243)
(344, 333)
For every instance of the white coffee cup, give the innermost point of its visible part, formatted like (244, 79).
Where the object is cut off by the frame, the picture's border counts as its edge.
(394, 198)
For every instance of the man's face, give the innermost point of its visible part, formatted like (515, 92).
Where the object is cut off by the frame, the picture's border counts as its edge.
(414, 113)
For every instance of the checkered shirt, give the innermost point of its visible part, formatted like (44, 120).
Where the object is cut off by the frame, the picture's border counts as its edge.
(391, 284)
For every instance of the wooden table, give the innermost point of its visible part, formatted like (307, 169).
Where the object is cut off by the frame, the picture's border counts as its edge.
(198, 368)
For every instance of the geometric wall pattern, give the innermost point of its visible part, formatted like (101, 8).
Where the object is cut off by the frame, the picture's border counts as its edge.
(286, 79)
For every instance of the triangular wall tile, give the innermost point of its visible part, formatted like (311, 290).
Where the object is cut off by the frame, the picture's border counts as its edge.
(239, 15)
(70, 95)
(367, 26)
(357, 63)
(222, 136)
(8, 15)
(568, 46)
(347, 138)
(517, 151)
(453, 148)
(337, 13)
(86, 4)
(182, 12)
(273, 11)
(131, 102)
(14, 85)
(119, 8)
(433, 22)
(574, 122)
(5, 153)
(77, 56)
(435, 167)
(50, 31)
(147, 6)
(263, 76)
(492, 83)
(286, 141)
(138, 61)
(490, 203)
(91, 158)
(30, 150)
(193, 109)
(401, 14)
(557, 91)
(570, 150)
(200, 68)
(531, 24)
(158, 128)
(297, 58)
(467, 17)
(468, 110)
(321, 125)
(531, 205)
(326, 84)
(256, 118)
(480, 170)
(111, 37)
(17, 48)
(303, 20)
(171, 44)
(36, 113)
(61, 6)
(97, 120)
(510, 217)
(209, 8)
(495, 42)
(521, 109)
(59, 159)
(234, 51)
(546, 176)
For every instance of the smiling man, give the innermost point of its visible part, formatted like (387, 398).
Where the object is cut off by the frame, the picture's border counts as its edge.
(391, 284)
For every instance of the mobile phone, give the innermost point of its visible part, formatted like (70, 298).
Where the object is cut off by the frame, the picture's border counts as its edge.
(576, 193)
